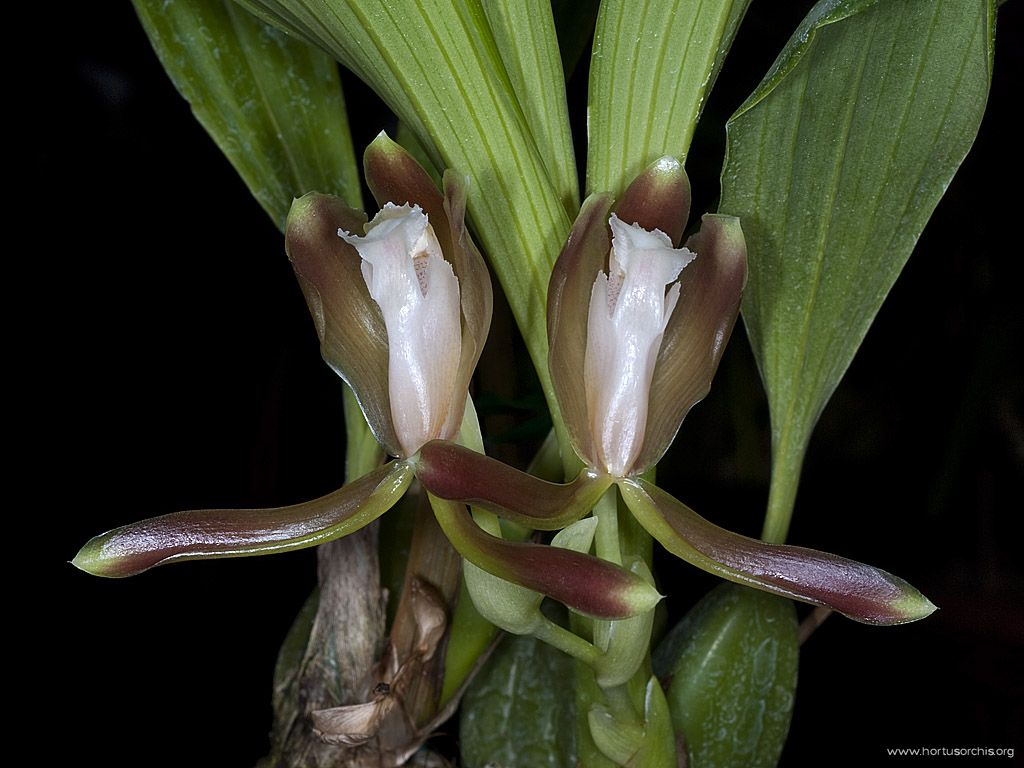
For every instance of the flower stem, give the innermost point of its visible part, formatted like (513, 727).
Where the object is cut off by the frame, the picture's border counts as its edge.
(787, 460)
(566, 641)
(607, 536)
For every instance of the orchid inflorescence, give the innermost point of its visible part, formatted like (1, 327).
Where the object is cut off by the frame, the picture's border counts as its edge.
(402, 311)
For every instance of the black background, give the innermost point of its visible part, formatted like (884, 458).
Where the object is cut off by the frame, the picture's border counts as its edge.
(173, 365)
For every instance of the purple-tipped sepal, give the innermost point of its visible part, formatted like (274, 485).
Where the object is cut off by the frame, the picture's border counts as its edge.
(214, 533)
(584, 583)
(861, 592)
(453, 472)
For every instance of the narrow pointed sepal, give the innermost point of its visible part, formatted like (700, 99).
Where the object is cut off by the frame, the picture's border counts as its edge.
(698, 330)
(569, 290)
(453, 472)
(584, 583)
(353, 337)
(214, 533)
(858, 591)
(659, 198)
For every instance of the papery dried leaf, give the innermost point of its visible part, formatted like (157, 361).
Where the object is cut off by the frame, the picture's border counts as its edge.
(353, 339)
(697, 332)
(861, 592)
(452, 472)
(214, 533)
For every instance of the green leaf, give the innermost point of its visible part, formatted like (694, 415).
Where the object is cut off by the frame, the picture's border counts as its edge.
(654, 63)
(272, 104)
(524, 32)
(731, 665)
(834, 165)
(437, 66)
(516, 713)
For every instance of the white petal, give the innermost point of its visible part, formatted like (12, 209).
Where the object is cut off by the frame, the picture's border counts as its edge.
(418, 295)
(628, 315)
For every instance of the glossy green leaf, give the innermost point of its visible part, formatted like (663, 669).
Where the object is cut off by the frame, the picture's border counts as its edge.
(524, 32)
(429, 60)
(272, 104)
(654, 63)
(731, 668)
(516, 712)
(834, 165)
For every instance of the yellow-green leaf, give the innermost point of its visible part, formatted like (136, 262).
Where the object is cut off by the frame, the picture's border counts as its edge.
(654, 63)
(272, 104)
(834, 165)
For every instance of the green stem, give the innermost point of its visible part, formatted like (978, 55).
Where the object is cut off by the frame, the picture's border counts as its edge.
(606, 538)
(787, 461)
(566, 641)
(620, 702)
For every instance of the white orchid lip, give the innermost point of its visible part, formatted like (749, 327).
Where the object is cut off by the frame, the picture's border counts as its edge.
(418, 295)
(629, 310)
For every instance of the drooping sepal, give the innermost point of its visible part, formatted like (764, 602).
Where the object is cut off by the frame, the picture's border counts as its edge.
(586, 584)
(569, 290)
(453, 472)
(353, 337)
(858, 591)
(698, 330)
(215, 533)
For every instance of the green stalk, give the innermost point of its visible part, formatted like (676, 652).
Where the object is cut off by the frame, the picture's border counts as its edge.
(787, 462)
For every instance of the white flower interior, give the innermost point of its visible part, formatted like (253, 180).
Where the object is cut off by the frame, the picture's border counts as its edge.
(418, 294)
(629, 310)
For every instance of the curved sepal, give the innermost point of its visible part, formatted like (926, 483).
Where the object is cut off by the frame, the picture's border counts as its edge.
(858, 591)
(697, 331)
(572, 282)
(353, 338)
(659, 198)
(213, 533)
(452, 472)
(586, 584)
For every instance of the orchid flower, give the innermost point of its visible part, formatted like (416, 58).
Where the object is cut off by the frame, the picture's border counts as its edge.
(647, 323)
(402, 311)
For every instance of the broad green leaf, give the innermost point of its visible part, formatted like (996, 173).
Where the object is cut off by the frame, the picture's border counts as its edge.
(524, 31)
(437, 66)
(731, 669)
(272, 104)
(654, 63)
(516, 711)
(834, 165)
